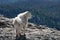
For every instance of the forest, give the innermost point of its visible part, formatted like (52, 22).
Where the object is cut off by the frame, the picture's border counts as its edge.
(44, 12)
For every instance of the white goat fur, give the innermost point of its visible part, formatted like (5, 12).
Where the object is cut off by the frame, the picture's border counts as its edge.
(20, 22)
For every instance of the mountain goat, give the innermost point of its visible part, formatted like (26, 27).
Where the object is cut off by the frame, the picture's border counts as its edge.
(20, 22)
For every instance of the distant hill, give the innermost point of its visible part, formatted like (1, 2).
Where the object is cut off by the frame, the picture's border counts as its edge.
(45, 12)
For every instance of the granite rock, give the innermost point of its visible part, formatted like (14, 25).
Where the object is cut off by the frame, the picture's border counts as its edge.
(33, 31)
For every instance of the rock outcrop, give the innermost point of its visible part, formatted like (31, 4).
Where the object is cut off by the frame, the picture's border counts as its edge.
(33, 32)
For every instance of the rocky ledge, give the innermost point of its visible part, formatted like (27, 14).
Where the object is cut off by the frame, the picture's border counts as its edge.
(33, 32)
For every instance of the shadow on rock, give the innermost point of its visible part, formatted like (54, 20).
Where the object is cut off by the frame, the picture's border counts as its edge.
(21, 37)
